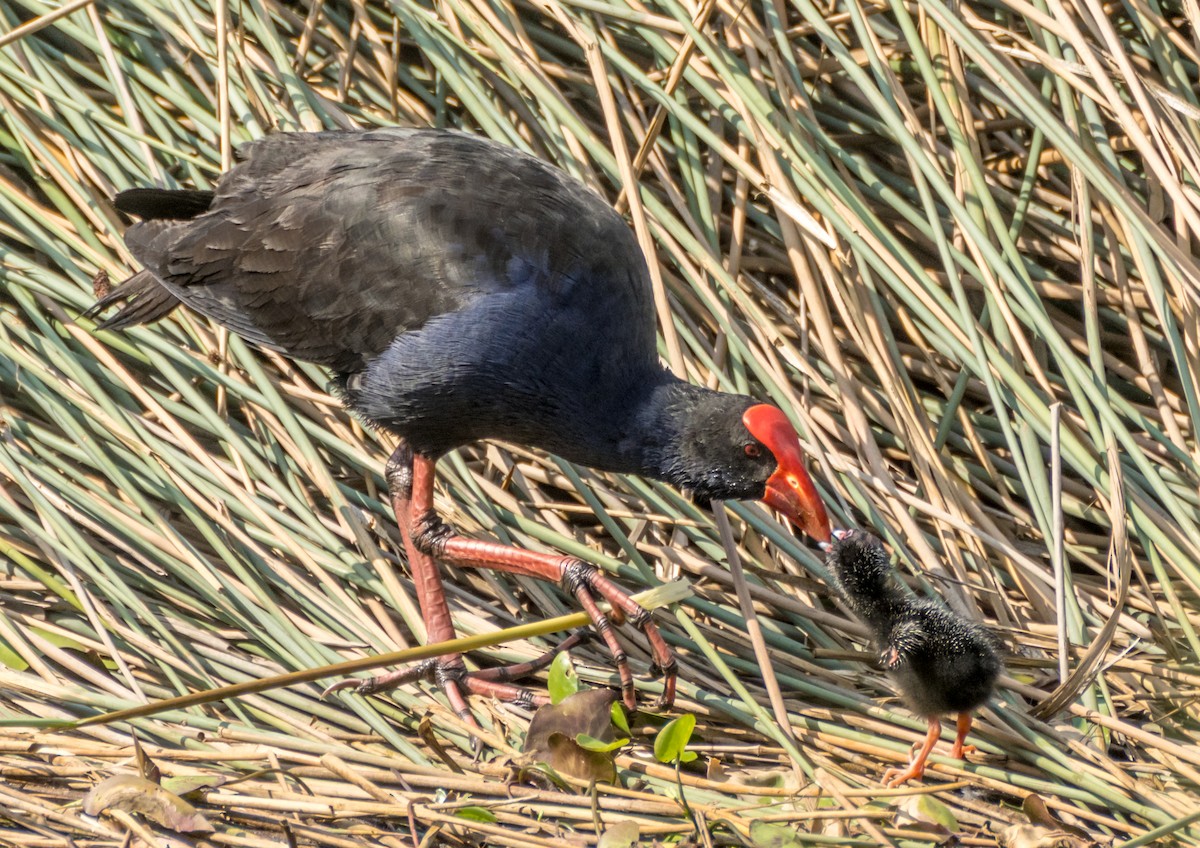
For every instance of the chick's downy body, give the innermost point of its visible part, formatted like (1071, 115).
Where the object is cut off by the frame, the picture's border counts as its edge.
(940, 662)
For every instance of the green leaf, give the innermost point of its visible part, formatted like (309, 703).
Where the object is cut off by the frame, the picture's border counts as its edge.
(26, 721)
(591, 743)
(933, 810)
(766, 835)
(619, 719)
(563, 682)
(671, 742)
(60, 640)
(12, 659)
(620, 835)
(477, 814)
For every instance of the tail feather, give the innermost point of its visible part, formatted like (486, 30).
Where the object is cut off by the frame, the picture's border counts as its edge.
(144, 298)
(164, 203)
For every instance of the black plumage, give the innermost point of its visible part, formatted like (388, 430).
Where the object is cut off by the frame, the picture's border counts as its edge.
(940, 662)
(459, 290)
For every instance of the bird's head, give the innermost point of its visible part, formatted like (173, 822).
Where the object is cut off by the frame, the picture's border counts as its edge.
(749, 450)
(861, 567)
(788, 488)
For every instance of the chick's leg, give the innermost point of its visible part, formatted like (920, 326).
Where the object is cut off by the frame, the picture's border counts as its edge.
(964, 727)
(894, 777)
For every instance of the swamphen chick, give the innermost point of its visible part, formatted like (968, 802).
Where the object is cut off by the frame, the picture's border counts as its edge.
(460, 290)
(941, 662)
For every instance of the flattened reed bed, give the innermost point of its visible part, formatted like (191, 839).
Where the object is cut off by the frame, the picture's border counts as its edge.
(916, 226)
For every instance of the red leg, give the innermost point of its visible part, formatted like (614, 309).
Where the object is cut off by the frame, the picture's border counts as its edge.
(964, 727)
(434, 537)
(402, 471)
(894, 777)
(447, 671)
(431, 597)
(410, 482)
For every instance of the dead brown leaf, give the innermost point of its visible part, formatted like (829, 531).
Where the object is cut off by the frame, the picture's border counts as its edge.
(1037, 812)
(147, 768)
(135, 794)
(552, 732)
(1039, 836)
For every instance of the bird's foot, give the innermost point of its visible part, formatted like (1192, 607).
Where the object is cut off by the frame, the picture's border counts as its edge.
(582, 580)
(448, 673)
(586, 582)
(960, 751)
(894, 777)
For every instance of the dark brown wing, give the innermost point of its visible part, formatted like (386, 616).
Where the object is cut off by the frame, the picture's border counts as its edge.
(328, 246)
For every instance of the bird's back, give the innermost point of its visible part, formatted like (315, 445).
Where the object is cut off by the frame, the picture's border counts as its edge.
(451, 282)
(328, 246)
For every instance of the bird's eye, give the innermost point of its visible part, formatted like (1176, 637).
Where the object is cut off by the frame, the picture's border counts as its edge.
(753, 451)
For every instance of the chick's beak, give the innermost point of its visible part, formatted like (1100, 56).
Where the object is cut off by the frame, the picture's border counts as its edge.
(789, 490)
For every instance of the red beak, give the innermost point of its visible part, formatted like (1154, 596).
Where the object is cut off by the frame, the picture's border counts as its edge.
(789, 490)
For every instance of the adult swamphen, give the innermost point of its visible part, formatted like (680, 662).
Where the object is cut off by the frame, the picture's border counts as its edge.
(459, 290)
(941, 662)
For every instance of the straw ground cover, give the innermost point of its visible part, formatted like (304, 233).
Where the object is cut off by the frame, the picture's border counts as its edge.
(956, 241)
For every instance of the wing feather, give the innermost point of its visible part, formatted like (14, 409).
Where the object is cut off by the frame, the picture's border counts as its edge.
(328, 246)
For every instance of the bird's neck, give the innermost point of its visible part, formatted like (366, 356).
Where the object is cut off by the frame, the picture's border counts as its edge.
(655, 425)
(655, 439)
(875, 597)
(880, 613)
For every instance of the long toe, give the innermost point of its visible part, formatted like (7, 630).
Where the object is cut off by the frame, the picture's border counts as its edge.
(894, 777)
(587, 581)
(455, 680)
(516, 671)
(604, 627)
(386, 682)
